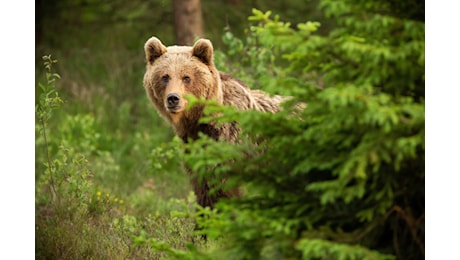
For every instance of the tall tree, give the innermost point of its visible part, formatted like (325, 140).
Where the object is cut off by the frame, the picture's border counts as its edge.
(188, 21)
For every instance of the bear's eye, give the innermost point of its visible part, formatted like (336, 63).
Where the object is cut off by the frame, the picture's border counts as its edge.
(165, 78)
(186, 79)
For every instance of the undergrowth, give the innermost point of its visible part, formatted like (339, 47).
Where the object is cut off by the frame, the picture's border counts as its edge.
(77, 214)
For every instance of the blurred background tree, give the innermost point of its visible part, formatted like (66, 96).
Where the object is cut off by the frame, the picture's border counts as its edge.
(188, 21)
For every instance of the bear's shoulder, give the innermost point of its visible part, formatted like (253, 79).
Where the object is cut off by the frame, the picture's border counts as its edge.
(239, 95)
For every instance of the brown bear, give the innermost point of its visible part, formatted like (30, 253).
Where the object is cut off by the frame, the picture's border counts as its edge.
(176, 71)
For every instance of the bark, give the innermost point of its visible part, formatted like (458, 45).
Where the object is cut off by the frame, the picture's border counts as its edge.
(188, 21)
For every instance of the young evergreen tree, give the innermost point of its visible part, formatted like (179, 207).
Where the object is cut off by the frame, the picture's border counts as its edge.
(340, 176)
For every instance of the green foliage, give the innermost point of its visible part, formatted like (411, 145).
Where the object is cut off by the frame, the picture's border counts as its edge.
(49, 99)
(318, 248)
(343, 177)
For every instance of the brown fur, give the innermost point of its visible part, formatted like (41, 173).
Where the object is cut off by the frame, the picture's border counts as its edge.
(183, 70)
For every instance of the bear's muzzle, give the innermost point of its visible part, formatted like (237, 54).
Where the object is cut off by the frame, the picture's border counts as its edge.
(173, 102)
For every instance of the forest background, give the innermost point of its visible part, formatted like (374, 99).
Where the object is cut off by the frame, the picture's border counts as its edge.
(115, 154)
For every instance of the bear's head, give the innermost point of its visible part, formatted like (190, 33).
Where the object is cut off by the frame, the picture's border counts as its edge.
(174, 72)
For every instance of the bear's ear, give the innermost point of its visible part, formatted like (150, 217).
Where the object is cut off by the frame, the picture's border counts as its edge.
(203, 50)
(153, 49)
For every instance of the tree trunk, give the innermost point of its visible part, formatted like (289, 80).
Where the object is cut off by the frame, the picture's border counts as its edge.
(188, 21)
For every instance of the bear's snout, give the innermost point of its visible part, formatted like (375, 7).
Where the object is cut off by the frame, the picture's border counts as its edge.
(173, 101)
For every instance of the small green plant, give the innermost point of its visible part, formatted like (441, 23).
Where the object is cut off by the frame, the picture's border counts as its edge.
(66, 172)
(49, 101)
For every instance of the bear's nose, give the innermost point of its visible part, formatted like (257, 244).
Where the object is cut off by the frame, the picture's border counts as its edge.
(173, 100)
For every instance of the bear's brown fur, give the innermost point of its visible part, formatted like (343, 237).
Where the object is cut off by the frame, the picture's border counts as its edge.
(175, 71)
